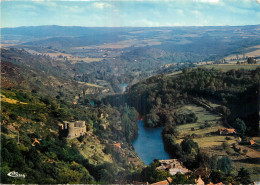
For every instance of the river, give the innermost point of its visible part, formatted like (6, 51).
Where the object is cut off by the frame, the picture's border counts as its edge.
(123, 86)
(149, 144)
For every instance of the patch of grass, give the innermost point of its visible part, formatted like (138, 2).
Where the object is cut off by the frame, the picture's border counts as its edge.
(204, 131)
(211, 141)
(201, 113)
(9, 100)
(203, 116)
(203, 135)
(214, 144)
(92, 150)
(91, 85)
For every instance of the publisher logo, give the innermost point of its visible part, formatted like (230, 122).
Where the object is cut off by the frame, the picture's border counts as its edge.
(15, 174)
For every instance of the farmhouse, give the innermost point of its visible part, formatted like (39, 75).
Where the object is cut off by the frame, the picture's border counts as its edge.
(251, 142)
(173, 166)
(117, 145)
(199, 181)
(167, 181)
(73, 129)
(133, 161)
(226, 131)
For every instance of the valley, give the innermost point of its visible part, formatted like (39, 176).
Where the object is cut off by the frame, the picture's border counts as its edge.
(145, 93)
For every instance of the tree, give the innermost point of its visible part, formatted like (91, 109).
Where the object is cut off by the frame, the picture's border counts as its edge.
(189, 146)
(208, 163)
(152, 175)
(251, 60)
(179, 178)
(158, 102)
(224, 164)
(171, 146)
(240, 126)
(217, 176)
(151, 120)
(170, 129)
(225, 145)
(243, 176)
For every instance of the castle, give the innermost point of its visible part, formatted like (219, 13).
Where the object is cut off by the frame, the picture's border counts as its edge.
(73, 129)
(173, 166)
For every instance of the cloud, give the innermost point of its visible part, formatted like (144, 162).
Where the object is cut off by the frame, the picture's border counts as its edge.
(208, 1)
(72, 9)
(102, 5)
(195, 12)
(143, 23)
(45, 3)
(25, 7)
(180, 11)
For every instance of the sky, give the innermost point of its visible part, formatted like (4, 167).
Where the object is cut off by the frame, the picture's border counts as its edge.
(130, 13)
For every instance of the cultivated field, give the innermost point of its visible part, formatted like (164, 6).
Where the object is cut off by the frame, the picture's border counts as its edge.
(211, 142)
(198, 128)
(60, 56)
(124, 44)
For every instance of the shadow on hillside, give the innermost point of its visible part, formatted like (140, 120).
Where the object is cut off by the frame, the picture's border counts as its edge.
(249, 160)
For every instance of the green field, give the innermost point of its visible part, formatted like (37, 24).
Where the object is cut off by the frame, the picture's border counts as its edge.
(227, 67)
(203, 116)
(203, 135)
(212, 143)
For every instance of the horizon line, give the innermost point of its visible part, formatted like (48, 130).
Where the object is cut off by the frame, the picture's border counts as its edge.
(135, 26)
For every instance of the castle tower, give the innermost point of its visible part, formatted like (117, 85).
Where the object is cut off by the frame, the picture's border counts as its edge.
(71, 129)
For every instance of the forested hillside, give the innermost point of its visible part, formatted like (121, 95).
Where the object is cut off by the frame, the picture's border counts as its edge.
(36, 97)
(237, 91)
(192, 107)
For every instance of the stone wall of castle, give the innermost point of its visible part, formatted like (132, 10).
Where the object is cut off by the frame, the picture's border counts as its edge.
(74, 129)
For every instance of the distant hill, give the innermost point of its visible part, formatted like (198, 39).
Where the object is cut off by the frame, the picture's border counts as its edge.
(59, 31)
(204, 40)
(66, 42)
(79, 34)
(129, 54)
(21, 70)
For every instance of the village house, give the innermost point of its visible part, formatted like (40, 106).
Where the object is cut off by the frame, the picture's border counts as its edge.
(117, 145)
(73, 129)
(173, 166)
(226, 131)
(169, 180)
(199, 181)
(165, 182)
(247, 142)
(219, 183)
(134, 161)
(251, 142)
